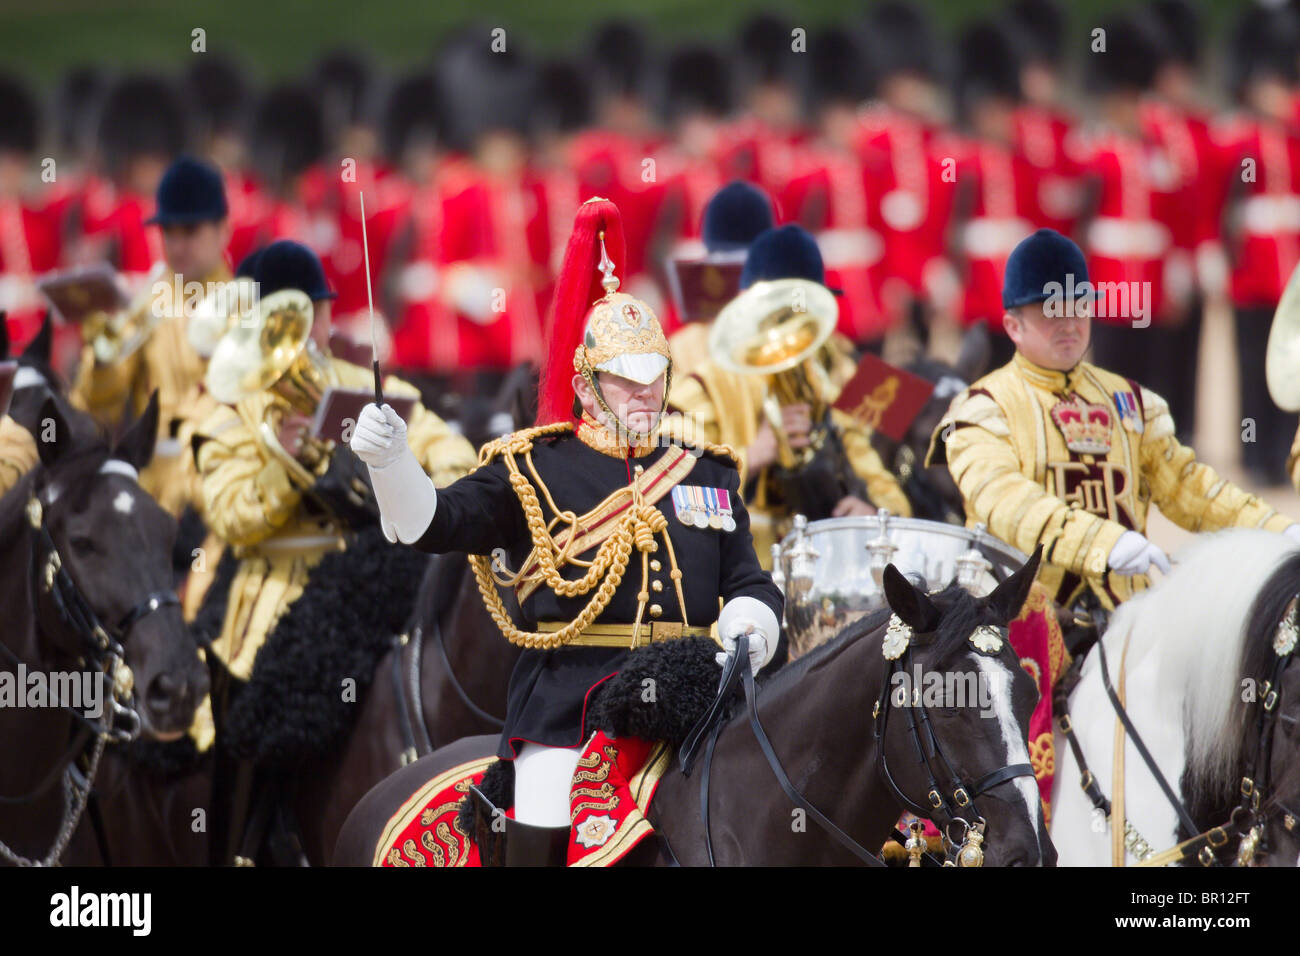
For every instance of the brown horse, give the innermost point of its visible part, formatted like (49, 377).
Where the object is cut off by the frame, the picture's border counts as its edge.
(860, 771)
(86, 585)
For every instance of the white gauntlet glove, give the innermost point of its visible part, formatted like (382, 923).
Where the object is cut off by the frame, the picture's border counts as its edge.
(747, 615)
(404, 492)
(1134, 554)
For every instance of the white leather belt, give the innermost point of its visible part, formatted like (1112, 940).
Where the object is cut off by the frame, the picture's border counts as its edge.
(1270, 214)
(842, 248)
(1128, 238)
(988, 238)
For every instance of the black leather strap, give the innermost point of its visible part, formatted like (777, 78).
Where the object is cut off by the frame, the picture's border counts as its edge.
(474, 708)
(751, 698)
(1184, 817)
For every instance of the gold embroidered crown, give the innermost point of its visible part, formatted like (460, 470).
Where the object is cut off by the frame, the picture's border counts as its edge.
(1086, 427)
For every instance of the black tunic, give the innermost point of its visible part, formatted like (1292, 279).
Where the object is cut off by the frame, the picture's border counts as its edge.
(549, 690)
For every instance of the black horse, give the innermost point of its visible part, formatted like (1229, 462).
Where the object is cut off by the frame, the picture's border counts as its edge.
(86, 585)
(860, 771)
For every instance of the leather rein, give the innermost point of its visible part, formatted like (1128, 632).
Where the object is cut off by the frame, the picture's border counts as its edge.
(1246, 821)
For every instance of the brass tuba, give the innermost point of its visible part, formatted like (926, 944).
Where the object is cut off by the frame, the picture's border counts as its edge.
(1282, 360)
(777, 329)
(270, 349)
(114, 336)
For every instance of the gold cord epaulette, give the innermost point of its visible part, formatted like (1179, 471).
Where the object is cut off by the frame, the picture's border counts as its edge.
(520, 442)
(721, 450)
(637, 528)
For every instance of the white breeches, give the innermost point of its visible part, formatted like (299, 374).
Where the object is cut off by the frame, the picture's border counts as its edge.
(542, 779)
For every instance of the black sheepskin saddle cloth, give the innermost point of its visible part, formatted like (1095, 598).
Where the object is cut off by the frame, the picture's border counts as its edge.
(661, 693)
(294, 706)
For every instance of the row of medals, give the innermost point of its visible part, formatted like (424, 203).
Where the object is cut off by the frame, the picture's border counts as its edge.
(706, 519)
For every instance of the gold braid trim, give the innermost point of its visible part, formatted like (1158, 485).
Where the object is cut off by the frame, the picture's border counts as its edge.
(721, 450)
(636, 528)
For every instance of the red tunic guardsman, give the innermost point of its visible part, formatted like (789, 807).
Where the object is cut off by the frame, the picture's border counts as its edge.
(1046, 131)
(30, 237)
(1262, 164)
(900, 143)
(1129, 239)
(996, 184)
(831, 195)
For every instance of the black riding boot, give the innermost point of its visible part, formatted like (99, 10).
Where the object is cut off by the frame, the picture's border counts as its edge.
(505, 842)
(528, 845)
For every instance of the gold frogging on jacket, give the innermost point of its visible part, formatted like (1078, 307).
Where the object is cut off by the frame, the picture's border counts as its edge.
(254, 505)
(1003, 441)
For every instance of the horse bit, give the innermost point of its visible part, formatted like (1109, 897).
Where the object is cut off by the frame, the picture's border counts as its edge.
(104, 651)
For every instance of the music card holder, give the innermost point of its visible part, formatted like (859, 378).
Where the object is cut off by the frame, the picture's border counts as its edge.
(883, 397)
(340, 408)
(80, 293)
(7, 372)
(700, 287)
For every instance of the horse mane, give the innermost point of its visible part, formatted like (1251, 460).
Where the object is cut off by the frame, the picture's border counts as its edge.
(961, 615)
(850, 635)
(1206, 633)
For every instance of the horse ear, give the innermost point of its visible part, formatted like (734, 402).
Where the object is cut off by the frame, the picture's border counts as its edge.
(52, 433)
(909, 602)
(1009, 597)
(40, 347)
(975, 354)
(136, 446)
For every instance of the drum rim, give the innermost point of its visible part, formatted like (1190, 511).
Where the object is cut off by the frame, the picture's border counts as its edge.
(872, 523)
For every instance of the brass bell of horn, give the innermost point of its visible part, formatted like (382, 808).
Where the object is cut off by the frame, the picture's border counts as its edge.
(776, 329)
(1282, 359)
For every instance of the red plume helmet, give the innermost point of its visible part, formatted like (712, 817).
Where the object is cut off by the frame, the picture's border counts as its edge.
(576, 290)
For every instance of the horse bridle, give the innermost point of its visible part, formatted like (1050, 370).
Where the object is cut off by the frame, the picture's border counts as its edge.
(948, 804)
(103, 651)
(1247, 820)
(967, 853)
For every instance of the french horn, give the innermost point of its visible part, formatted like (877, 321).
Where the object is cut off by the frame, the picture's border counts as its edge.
(777, 329)
(271, 349)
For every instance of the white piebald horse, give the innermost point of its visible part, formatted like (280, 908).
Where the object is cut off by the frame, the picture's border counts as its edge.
(1200, 645)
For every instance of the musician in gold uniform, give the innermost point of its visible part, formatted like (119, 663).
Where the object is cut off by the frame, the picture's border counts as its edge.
(1053, 450)
(722, 406)
(192, 215)
(260, 501)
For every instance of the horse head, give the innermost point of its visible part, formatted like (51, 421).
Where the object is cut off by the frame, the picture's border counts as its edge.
(113, 542)
(954, 750)
(1270, 721)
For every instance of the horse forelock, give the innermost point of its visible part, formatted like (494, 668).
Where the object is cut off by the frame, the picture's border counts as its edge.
(1210, 639)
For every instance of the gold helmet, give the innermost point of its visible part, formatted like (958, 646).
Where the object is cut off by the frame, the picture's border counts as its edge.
(616, 333)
